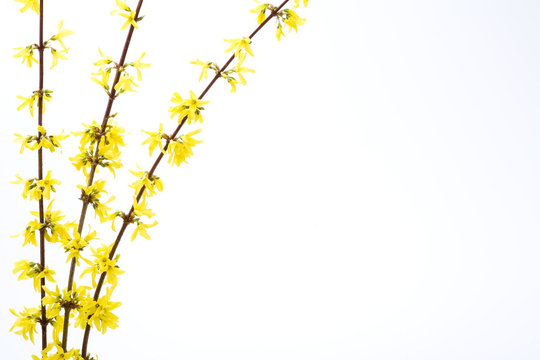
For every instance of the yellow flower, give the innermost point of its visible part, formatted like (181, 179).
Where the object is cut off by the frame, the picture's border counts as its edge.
(45, 274)
(102, 264)
(31, 190)
(26, 321)
(55, 140)
(125, 83)
(100, 313)
(190, 108)
(27, 269)
(92, 194)
(205, 67)
(154, 139)
(104, 82)
(33, 4)
(60, 353)
(83, 160)
(293, 20)
(30, 233)
(139, 208)
(261, 10)
(141, 230)
(239, 45)
(138, 65)
(35, 189)
(57, 55)
(150, 185)
(27, 101)
(61, 34)
(34, 98)
(114, 137)
(54, 230)
(232, 81)
(105, 60)
(27, 55)
(181, 149)
(125, 12)
(27, 142)
(75, 245)
(239, 69)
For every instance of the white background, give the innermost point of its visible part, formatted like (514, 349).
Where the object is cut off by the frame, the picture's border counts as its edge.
(371, 194)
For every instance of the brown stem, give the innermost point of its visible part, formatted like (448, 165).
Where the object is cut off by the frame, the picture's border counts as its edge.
(90, 181)
(151, 172)
(40, 177)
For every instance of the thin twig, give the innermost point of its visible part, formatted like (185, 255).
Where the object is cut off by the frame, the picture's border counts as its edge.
(86, 201)
(152, 170)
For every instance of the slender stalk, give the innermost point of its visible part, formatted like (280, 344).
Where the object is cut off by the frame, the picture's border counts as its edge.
(126, 223)
(90, 181)
(40, 177)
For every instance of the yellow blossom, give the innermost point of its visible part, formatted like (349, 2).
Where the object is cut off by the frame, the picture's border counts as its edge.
(57, 55)
(76, 244)
(60, 353)
(29, 4)
(141, 230)
(27, 269)
(44, 274)
(205, 66)
(125, 83)
(47, 185)
(125, 12)
(26, 321)
(114, 137)
(279, 32)
(104, 81)
(150, 184)
(261, 11)
(239, 45)
(292, 20)
(155, 139)
(27, 55)
(92, 194)
(27, 101)
(27, 142)
(139, 208)
(102, 264)
(30, 233)
(190, 108)
(35, 189)
(181, 149)
(61, 34)
(239, 69)
(99, 313)
(138, 65)
(105, 60)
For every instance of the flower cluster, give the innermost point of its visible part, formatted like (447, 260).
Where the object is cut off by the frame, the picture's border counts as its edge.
(33, 99)
(285, 18)
(99, 313)
(107, 154)
(102, 263)
(130, 15)
(53, 229)
(126, 82)
(35, 189)
(42, 140)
